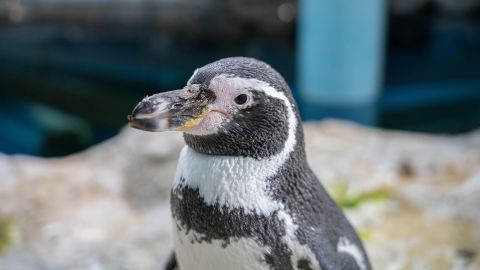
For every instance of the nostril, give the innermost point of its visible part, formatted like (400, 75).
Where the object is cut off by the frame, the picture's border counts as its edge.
(145, 106)
(177, 105)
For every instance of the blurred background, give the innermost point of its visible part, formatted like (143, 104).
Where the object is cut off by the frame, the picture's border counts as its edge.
(71, 70)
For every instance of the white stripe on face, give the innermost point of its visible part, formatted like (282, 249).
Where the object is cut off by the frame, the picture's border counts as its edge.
(226, 87)
(191, 77)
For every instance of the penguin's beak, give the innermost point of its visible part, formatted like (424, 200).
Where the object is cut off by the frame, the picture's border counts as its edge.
(174, 110)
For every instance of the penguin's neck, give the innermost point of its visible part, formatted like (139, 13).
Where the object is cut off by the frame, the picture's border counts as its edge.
(238, 182)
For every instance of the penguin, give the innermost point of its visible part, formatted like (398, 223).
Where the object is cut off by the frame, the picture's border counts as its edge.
(244, 196)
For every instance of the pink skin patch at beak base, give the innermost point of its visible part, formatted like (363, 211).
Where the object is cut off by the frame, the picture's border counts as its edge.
(222, 110)
(209, 124)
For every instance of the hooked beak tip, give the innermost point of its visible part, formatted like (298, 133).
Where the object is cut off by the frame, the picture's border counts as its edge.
(131, 121)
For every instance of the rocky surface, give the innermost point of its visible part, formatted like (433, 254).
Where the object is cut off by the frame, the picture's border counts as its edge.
(414, 199)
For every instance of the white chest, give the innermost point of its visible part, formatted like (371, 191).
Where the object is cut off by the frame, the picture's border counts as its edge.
(234, 182)
(241, 254)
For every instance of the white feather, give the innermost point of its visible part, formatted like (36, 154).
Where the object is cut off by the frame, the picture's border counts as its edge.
(345, 246)
(191, 77)
(239, 254)
(299, 251)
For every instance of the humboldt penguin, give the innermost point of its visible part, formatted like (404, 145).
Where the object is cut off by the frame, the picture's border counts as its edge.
(244, 197)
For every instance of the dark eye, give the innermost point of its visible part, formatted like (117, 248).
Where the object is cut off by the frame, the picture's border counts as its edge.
(241, 99)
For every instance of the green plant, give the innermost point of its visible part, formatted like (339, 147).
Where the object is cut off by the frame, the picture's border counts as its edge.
(6, 234)
(345, 199)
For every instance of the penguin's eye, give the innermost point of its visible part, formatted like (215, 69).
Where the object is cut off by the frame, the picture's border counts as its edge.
(176, 105)
(241, 99)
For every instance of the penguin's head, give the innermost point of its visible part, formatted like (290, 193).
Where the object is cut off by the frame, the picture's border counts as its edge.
(234, 106)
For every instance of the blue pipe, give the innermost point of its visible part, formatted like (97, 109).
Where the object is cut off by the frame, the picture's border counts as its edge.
(341, 56)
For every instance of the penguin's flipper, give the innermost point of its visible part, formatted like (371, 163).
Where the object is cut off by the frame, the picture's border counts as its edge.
(171, 262)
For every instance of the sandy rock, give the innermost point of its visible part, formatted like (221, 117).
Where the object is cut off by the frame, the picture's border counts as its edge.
(104, 208)
(413, 198)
